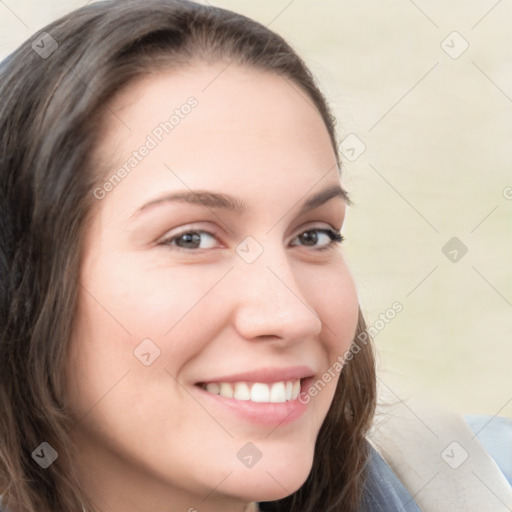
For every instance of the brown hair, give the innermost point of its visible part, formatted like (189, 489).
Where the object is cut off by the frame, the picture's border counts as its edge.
(50, 114)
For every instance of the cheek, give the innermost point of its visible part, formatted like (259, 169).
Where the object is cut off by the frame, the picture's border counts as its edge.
(112, 393)
(120, 309)
(123, 302)
(334, 297)
(147, 301)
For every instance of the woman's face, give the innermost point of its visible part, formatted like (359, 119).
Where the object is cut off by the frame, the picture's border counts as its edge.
(208, 261)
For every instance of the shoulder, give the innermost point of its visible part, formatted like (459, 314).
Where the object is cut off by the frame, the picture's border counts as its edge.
(447, 463)
(495, 434)
(383, 491)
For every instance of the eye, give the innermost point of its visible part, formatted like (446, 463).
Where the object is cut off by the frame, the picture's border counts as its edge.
(192, 239)
(318, 238)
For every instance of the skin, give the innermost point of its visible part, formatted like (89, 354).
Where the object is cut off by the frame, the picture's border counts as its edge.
(147, 441)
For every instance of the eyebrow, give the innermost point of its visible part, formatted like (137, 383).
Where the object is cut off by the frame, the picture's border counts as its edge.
(323, 196)
(212, 200)
(221, 201)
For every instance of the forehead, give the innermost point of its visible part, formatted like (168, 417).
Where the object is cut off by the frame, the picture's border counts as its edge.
(216, 125)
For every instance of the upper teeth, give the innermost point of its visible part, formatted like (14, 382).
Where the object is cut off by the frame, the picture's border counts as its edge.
(257, 391)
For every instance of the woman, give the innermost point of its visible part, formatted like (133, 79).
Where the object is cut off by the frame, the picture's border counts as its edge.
(179, 328)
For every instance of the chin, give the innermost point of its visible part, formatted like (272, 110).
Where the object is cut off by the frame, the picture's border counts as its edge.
(270, 483)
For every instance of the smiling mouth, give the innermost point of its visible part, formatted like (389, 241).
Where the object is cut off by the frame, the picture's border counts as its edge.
(259, 392)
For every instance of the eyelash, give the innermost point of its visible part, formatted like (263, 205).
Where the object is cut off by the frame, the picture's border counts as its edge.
(336, 238)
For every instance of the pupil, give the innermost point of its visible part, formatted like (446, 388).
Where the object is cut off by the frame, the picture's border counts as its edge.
(309, 238)
(190, 240)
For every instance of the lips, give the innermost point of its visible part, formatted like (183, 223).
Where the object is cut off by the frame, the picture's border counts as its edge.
(259, 396)
(265, 385)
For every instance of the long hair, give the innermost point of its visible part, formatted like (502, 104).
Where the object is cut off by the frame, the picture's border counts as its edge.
(53, 92)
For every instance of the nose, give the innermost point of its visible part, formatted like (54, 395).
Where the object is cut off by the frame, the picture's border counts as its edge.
(270, 303)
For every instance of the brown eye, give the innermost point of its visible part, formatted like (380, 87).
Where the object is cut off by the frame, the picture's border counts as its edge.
(192, 240)
(188, 240)
(319, 238)
(308, 237)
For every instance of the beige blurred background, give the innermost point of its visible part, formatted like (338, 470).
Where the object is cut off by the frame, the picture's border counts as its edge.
(428, 116)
